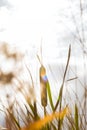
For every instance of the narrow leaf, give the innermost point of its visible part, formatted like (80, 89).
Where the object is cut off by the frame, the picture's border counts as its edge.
(50, 95)
(76, 118)
(61, 89)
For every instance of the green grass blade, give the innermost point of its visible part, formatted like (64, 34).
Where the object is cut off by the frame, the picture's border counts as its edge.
(59, 100)
(14, 120)
(34, 111)
(76, 118)
(50, 95)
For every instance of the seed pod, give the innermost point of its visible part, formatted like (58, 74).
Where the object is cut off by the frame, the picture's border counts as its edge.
(43, 81)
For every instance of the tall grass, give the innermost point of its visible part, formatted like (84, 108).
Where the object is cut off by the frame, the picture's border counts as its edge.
(25, 115)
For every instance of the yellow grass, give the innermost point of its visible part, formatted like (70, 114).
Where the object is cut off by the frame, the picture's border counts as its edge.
(37, 125)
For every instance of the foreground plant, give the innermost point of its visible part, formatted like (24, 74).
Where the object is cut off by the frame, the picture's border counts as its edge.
(48, 118)
(27, 116)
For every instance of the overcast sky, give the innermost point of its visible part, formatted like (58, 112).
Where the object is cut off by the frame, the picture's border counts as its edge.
(26, 22)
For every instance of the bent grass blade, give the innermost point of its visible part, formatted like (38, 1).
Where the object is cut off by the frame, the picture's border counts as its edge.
(48, 118)
(62, 86)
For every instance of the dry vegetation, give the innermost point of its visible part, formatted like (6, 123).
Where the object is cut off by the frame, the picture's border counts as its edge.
(25, 115)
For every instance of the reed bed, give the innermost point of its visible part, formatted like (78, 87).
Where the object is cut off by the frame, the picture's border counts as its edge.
(25, 114)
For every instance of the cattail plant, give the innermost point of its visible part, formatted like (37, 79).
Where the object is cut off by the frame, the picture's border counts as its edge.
(43, 82)
(23, 115)
(45, 86)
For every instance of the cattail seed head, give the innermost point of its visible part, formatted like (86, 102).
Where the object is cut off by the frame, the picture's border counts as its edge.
(43, 86)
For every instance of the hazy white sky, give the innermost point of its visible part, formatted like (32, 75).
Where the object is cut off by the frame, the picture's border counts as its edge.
(25, 22)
